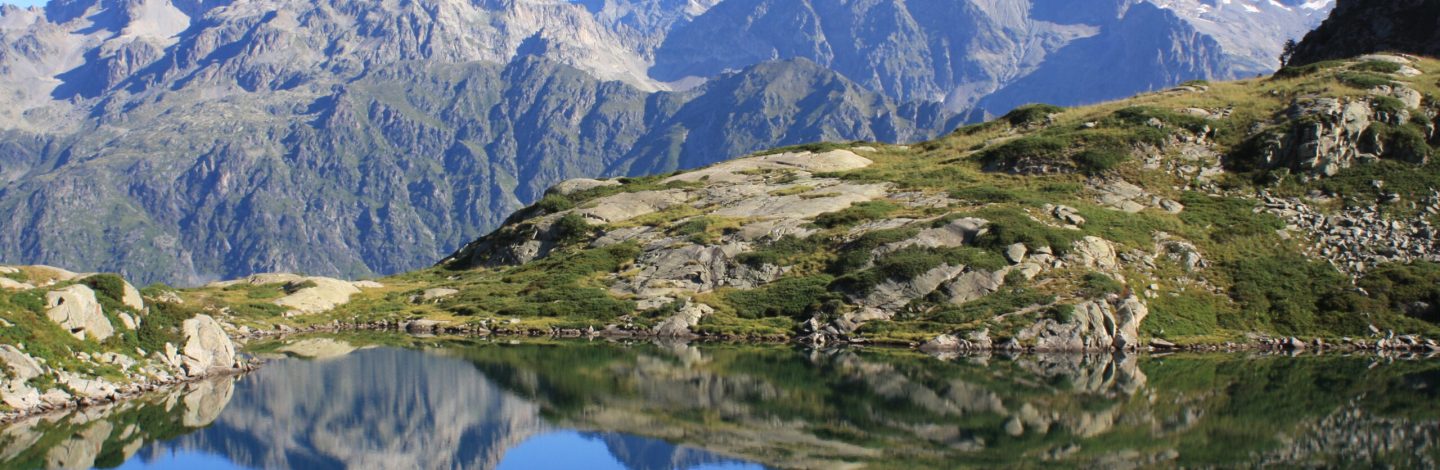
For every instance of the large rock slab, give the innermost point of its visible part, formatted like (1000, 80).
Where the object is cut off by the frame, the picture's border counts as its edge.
(75, 309)
(207, 348)
(735, 170)
(325, 294)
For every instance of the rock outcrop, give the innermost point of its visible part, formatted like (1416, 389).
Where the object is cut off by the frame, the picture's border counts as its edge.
(207, 348)
(76, 309)
(1094, 325)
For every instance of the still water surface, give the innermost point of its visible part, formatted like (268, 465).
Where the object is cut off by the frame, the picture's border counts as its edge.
(432, 403)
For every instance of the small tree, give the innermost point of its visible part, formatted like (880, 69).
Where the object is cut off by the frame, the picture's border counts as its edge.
(1287, 52)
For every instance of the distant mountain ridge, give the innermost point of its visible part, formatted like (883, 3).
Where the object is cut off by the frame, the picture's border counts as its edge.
(187, 140)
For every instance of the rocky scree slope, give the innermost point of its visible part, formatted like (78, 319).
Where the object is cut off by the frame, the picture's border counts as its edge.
(1300, 205)
(186, 130)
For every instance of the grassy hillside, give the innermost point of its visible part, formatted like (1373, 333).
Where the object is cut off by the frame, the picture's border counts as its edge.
(1202, 146)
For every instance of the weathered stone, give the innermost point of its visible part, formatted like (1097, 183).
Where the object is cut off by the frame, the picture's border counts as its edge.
(893, 294)
(207, 347)
(11, 284)
(75, 309)
(973, 285)
(325, 294)
(679, 325)
(437, 293)
(1016, 253)
(1095, 252)
(20, 365)
(1096, 325)
(131, 298)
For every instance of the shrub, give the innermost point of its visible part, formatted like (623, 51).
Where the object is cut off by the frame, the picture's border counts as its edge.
(1363, 80)
(1142, 115)
(1380, 66)
(572, 228)
(781, 252)
(856, 214)
(1099, 160)
(854, 255)
(1189, 313)
(1401, 286)
(1387, 104)
(162, 326)
(1285, 291)
(794, 297)
(553, 203)
(1008, 299)
(1097, 285)
(1010, 226)
(1031, 114)
(1308, 69)
(984, 194)
(1230, 218)
(574, 301)
(1403, 143)
(108, 285)
(1033, 147)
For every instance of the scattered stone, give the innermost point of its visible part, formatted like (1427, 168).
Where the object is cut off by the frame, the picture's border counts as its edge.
(1016, 253)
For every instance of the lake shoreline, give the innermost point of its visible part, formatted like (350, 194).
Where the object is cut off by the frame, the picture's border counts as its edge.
(128, 392)
(1410, 347)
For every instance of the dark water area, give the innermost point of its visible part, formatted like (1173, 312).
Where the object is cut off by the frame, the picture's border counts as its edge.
(377, 401)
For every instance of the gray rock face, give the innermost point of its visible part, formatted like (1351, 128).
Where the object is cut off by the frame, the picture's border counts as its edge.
(1096, 325)
(75, 309)
(207, 348)
(679, 325)
(893, 294)
(1095, 252)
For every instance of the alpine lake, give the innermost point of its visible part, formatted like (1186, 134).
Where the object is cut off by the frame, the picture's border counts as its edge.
(374, 400)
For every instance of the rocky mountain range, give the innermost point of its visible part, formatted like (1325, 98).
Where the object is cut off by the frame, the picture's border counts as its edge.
(188, 140)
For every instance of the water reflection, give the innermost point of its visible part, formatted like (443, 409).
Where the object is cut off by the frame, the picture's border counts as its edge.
(464, 404)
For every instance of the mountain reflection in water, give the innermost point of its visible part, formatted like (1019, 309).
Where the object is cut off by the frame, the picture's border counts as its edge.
(477, 404)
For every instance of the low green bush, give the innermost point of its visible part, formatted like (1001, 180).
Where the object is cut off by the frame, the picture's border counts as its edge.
(1307, 69)
(1412, 289)
(1009, 226)
(782, 252)
(1363, 80)
(1029, 114)
(1286, 292)
(1097, 285)
(572, 228)
(108, 285)
(856, 214)
(1008, 299)
(553, 203)
(1380, 66)
(796, 297)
